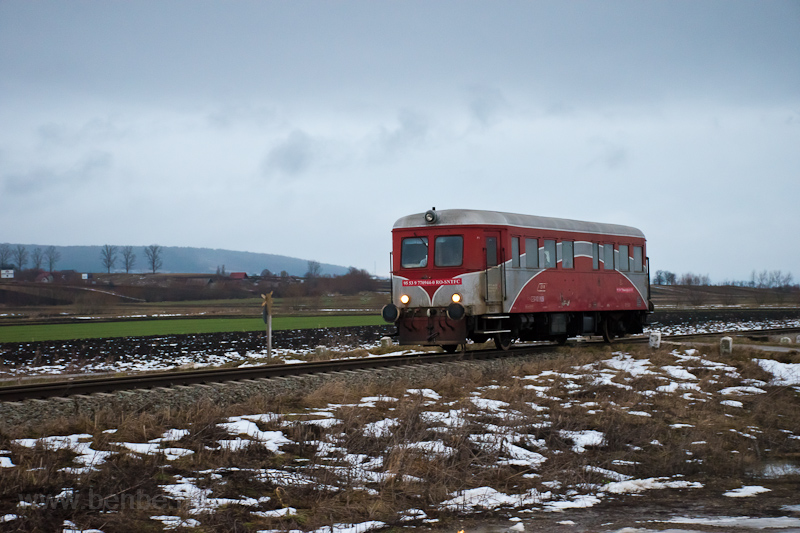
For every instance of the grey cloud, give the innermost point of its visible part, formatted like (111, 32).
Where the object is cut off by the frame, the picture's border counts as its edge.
(411, 130)
(230, 115)
(559, 109)
(42, 180)
(94, 130)
(487, 104)
(30, 182)
(610, 51)
(310, 91)
(292, 156)
(612, 156)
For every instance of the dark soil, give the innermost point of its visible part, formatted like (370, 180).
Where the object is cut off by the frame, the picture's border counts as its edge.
(163, 346)
(692, 317)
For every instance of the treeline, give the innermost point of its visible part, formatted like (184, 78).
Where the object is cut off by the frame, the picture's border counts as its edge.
(313, 283)
(766, 279)
(17, 257)
(46, 259)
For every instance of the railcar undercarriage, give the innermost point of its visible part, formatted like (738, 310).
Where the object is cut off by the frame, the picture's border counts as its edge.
(434, 326)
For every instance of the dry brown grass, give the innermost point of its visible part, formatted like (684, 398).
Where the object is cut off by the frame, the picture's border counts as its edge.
(687, 432)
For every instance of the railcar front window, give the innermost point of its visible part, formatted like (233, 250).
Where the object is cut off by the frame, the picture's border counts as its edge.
(491, 251)
(414, 252)
(449, 251)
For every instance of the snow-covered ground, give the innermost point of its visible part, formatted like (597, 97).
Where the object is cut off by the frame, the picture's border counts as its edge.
(717, 326)
(504, 429)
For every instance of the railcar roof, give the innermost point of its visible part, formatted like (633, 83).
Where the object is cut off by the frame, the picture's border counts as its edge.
(473, 217)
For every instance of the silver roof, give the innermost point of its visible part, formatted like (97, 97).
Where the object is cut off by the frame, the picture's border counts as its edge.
(463, 217)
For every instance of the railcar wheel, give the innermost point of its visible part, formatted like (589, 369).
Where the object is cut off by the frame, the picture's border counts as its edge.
(503, 341)
(608, 330)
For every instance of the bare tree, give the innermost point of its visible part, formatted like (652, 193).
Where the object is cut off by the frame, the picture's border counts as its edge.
(128, 258)
(314, 269)
(37, 258)
(664, 277)
(153, 254)
(108, 254)
(52, 256)
(5, 254)
(20, 255)
(690, 279)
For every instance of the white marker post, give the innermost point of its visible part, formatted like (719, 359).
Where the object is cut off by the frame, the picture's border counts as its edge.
(655, 339)
(726, 345)
(266, 314)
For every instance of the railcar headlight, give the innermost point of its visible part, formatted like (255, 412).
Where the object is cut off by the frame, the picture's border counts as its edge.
(405, 298)
(431, 216)
(456, 298)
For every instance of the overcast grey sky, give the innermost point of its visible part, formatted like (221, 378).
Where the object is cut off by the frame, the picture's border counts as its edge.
(307, 128)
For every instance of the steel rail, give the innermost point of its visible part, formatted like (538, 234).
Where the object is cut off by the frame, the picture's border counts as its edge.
(62, 388)
(221, 375)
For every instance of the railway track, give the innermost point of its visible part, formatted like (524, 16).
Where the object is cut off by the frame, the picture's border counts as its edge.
(62, 389)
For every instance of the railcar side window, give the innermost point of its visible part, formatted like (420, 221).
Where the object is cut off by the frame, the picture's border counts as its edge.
(549, 253)
(638, 265)
(414, 253)
(567, 254)
(623, 258)
(595, 256)
(515, 252)
(608, 257)
(531, 253)
(448, 251)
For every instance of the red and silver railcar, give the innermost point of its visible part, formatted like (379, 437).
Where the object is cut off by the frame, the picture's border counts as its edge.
(464, 274)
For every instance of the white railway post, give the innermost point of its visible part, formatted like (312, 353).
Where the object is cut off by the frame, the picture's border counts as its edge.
(266, 314)
(725, 345)
(655, 339)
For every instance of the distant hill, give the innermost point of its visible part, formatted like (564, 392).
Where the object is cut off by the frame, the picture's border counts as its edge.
(177, 259)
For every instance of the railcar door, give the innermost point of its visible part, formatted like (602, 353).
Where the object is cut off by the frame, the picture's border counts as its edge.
(494, 273)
